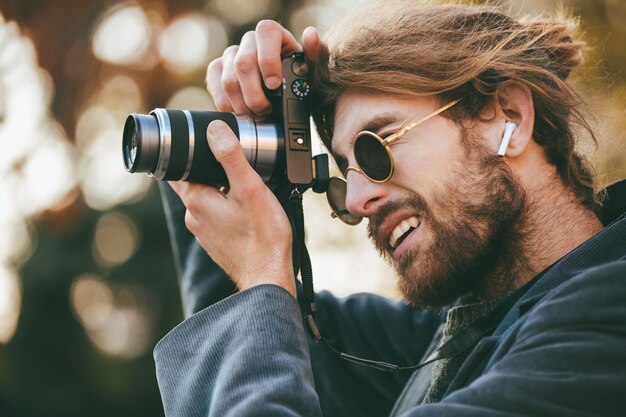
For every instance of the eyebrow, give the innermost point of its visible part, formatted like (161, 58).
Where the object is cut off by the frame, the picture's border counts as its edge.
(378, 122)
(374, 125)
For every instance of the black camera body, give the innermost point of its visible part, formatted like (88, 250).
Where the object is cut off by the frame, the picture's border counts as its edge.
(170, 144)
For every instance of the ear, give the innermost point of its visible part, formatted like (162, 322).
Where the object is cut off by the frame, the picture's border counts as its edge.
(515, 104)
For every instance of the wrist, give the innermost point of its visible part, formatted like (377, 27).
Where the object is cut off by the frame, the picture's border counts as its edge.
(283, 279)
(288, 284)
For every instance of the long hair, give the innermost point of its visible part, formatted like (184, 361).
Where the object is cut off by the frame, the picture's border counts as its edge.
(450, 51)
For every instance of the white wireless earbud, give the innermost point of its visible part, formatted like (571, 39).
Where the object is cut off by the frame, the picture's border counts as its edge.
(509, 127)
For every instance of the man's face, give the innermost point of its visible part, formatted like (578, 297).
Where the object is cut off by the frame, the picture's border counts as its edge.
(449, 220)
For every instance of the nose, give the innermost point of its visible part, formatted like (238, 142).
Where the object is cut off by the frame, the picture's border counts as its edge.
(363, 197)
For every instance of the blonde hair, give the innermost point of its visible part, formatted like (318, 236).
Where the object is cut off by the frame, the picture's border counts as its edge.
(451, 51)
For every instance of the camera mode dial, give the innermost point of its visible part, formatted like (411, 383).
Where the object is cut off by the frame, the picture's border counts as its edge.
(300, 88)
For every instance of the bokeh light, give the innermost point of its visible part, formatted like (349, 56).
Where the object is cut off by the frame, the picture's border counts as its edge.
(123, 35)
(189, 41)
(36, 158)
(126, 334)
(36, 162)
(320, 14)
(193, 98)
(116, 240)
(239, 12)
(102, 176)
(115, 321)
(10, 301)
(92, 301)
(119, 94)
(47, 176)
(16, 241)
(317, 15)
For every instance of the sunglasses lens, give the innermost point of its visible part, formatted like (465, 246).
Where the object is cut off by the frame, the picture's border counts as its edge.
(372, 157)
(336, 195)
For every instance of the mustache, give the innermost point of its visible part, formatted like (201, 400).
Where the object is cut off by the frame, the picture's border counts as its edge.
(415, 201)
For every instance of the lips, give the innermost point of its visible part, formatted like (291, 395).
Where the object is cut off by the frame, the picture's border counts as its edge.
(393, 224)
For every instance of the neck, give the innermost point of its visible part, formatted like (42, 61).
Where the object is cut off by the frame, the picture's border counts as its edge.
(552, 224)
(555, 224)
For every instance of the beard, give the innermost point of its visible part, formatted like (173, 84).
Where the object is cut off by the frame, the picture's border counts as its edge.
(476, 243)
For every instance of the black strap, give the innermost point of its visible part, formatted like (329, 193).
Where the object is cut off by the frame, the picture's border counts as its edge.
(308, 294)
(461, 342)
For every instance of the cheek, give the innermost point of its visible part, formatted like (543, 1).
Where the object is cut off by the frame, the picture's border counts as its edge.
(427, 167)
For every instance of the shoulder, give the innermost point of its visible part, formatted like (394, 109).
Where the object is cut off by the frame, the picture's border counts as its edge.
(601, 286)
(565, 356)
(590, 302)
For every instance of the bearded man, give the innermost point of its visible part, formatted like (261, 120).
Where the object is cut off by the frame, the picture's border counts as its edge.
(455, 129)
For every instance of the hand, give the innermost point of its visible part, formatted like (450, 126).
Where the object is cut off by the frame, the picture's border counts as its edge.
(235, 79)
(242, 227)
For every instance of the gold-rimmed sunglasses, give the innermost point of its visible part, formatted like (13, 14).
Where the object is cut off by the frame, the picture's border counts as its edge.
(374, 160)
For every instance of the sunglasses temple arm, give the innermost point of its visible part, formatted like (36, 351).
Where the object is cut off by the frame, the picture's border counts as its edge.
(401, 132)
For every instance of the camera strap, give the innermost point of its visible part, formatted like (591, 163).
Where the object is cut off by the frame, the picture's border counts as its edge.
(307, 302)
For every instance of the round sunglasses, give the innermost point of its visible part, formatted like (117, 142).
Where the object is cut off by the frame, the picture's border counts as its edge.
(374, 160)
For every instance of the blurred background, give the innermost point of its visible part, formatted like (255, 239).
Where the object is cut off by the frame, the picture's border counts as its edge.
(87, 283)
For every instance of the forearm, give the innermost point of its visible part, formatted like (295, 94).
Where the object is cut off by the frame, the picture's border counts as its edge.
(244, 356)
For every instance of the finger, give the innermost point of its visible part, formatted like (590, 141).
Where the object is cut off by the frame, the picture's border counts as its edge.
(249, 75)
(185, 189)
(179, 187)
(230, 82)
(273, 42)
(198, 221)
(214, 85)
(242, 179)
(311, 43)
(190, 222)
(199, 199)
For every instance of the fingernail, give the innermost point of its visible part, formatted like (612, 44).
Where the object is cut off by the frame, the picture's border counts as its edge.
(309, 29)
(272, 82)
(216, 127)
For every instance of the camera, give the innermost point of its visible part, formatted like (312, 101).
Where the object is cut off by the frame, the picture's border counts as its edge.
(170, 144)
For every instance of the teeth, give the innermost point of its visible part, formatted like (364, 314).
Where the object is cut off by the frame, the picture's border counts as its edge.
(402, 228)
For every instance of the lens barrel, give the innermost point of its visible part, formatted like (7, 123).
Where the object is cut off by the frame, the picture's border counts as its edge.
(170, 144)
(140, 143)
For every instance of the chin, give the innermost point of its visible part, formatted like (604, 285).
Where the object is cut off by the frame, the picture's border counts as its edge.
(425, 279)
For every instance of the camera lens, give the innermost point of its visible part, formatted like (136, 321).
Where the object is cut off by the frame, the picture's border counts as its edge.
(171, 144)
(140, 143)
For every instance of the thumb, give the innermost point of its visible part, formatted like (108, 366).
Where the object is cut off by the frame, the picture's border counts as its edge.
(228, 152)
(312, 45)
